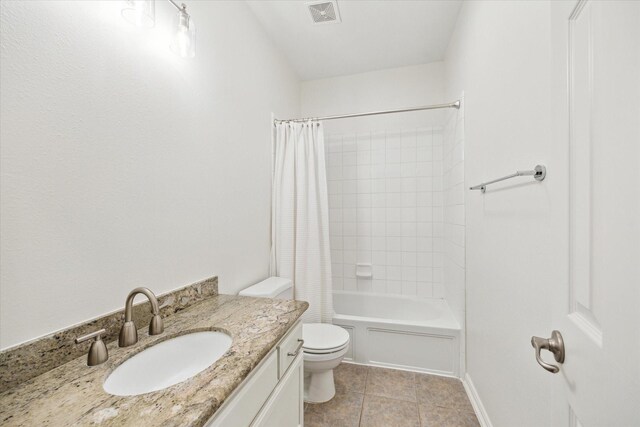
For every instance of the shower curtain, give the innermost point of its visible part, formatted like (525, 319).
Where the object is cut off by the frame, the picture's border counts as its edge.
(300, 216)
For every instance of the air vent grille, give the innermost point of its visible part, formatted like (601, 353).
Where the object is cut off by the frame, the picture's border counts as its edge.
(324, 12)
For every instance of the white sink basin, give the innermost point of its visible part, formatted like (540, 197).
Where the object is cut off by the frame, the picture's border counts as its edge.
(167, 363)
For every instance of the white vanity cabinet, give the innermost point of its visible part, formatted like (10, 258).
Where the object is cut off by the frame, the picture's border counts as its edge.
(272, 395)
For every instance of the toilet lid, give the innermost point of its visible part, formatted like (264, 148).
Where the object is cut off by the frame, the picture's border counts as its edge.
(323, 336)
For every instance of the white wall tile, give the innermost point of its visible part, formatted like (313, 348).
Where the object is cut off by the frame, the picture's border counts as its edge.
(364, 141)
(424, 229)
(378, 258)
(378, 141)
(349, 284)
(393, 155)
(349, 271)
(379, 286)
(378, 171)
(378, 243)
(378, 157)
(364, 157)
(394, 287)
(409, 288)
(364, 172)
(364, 285)
(349, 243)
(349, 201)
(438, 290)
(424, 198)
(364, 214)
(349, 172)
(394, 244)
(364, 186)
(363, 256)
(394, 229)
(379, 272)
(394, 272)
(424, 259)
(349, 158)
(394, 185)
(409, 214)
(378, 229)
(394, 258)
(393, 170)
(409, 229)
(424, 289)
(409, 184)
(424, 274)
(349, 186)
(349, 143)
(409, 259)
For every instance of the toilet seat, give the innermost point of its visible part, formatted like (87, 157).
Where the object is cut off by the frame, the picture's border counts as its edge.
(324, 338)
(310, 358)
(325, 351)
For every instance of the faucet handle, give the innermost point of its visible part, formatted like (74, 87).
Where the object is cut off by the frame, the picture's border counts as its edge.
(156, 326)
(98, 351)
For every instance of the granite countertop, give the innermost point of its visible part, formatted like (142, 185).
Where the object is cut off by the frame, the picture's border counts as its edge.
(72, 394)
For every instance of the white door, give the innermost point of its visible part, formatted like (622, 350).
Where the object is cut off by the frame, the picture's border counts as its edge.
(596, 106)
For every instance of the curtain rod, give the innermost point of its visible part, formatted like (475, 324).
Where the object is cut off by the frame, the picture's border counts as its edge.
(455, 105)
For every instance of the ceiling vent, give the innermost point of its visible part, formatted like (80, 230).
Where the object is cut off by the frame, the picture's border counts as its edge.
(325, 12)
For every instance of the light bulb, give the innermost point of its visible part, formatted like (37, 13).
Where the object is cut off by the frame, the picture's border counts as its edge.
(140, 13)
(183, 42)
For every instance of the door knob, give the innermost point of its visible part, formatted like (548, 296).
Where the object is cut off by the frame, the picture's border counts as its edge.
(555, 345)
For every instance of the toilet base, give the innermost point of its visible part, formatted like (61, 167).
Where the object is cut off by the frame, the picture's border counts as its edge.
(319, 386)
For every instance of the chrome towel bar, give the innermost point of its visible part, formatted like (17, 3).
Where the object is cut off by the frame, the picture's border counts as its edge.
(538, 173)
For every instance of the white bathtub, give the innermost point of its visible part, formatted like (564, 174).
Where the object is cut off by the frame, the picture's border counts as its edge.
(418, 334)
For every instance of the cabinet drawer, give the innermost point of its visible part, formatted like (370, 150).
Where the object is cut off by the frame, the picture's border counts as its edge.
(285, 406)
(289, 348)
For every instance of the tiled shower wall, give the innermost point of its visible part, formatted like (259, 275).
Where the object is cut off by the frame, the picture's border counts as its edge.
(454, 273)
(454, 213)
(386, 210)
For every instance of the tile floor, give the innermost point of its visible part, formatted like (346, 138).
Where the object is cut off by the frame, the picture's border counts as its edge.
(378, 397)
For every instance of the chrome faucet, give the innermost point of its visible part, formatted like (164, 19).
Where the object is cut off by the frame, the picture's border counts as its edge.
(128, 332)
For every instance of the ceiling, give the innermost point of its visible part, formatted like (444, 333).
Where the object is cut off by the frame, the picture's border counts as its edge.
(373, 35)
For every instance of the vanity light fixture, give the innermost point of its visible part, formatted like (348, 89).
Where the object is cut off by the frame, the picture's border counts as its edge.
(183, 42)
(142, 14)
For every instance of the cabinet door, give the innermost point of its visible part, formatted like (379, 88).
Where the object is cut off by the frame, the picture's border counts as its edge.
(285, 406)
(246, 402)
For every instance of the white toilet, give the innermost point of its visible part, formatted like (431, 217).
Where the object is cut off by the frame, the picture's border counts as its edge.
(324, 344)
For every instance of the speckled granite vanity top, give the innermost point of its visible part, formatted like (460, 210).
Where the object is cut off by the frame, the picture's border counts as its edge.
(72, 394)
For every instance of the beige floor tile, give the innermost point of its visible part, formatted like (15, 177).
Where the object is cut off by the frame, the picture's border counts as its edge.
(384, 412)
(391, 383)
(343, 410)
(350, 377)
(438, 416)
(442, 391)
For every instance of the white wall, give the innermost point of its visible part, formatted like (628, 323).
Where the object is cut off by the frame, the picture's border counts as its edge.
(124, 165)
(385, 178)
(376, 90)
(500, 56)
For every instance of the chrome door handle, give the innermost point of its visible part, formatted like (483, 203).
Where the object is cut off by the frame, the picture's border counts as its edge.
(555, 345)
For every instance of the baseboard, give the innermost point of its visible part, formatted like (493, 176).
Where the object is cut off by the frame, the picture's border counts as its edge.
(478, 407)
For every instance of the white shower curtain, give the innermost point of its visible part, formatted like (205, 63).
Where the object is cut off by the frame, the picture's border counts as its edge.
(300, 216)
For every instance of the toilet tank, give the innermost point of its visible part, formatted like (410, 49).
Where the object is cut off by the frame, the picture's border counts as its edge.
(273, 287)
